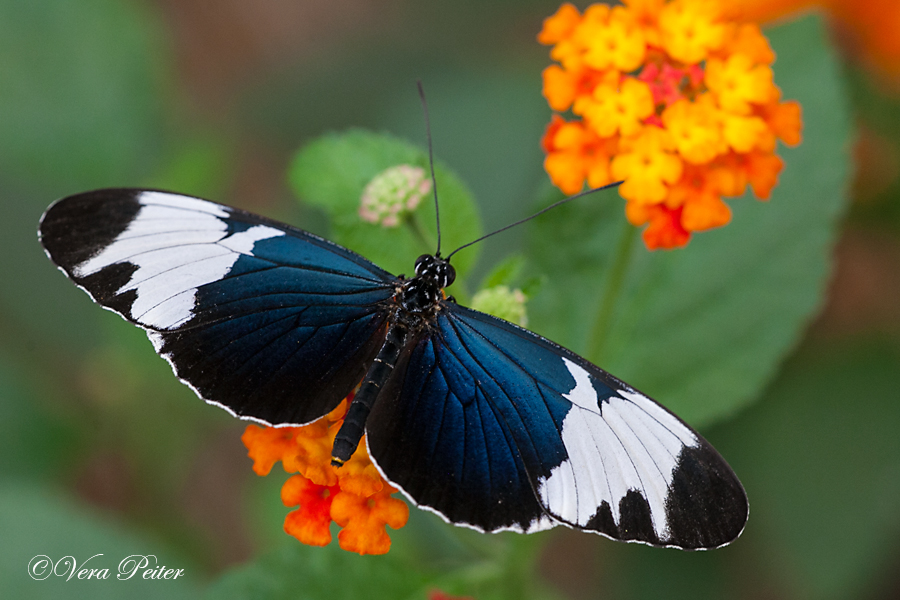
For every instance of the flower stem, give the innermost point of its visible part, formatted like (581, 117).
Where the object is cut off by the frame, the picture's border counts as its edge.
(427, 243)
(611, 293)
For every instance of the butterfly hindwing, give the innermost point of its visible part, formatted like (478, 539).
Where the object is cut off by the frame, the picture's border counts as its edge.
(437, 435)
(498, 428)
(266, 320)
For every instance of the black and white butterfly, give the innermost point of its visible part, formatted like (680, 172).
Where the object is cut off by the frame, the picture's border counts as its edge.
(485, 423)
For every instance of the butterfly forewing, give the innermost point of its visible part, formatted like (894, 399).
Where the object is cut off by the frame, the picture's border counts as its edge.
(266, 320)
(491, 415)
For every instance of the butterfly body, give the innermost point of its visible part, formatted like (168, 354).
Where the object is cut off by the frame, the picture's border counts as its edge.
(481, 421)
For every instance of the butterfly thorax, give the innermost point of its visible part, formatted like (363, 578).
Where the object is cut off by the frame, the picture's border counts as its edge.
(422, 293)
(419, 299)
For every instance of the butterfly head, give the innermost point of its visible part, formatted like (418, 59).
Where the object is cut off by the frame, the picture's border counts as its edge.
(436, 268)
(422, 294)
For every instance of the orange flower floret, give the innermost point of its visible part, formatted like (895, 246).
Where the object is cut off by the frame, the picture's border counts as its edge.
(750, 41)
(558, 26)
(784, 120)
(664, 229)
(361, 494)
(364, 518)
(267, 445)
(761, 170)
(646, 14)
(359, 475)
(698, 192)
(575, 154)
(561, 86)
(311, 522)
(674, 97)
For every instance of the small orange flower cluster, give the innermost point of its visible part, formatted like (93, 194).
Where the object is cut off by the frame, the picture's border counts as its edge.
(675, 99)
(355, 496)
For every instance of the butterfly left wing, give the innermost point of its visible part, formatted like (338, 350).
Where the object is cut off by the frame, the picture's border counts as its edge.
(495, 427)
(270, 322)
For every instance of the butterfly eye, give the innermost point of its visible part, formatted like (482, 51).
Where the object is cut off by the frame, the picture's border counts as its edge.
(446, 274)
(424, 263)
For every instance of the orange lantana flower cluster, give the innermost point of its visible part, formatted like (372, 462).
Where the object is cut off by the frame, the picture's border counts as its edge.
(674, 98)
(354, 496)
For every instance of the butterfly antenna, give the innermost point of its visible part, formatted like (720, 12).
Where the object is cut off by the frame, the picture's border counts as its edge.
(537, 214)
(437, 212)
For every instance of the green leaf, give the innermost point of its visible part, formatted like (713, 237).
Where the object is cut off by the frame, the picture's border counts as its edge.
(704, 328)
(298, 572)
(332, 172)
(506, 272)
(37, 521)
(502, 568)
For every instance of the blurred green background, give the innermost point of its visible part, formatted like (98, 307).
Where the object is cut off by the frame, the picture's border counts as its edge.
(778, 335)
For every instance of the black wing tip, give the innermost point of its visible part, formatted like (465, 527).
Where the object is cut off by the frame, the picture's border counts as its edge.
(76, 227)
(707, 506)
(93, 201)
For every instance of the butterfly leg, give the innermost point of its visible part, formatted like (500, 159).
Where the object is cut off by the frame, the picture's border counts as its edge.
(351, 431)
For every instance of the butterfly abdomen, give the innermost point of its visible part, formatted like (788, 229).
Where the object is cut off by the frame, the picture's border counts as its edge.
(351, 431)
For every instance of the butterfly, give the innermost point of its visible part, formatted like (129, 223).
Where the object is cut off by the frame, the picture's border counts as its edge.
(483, 422)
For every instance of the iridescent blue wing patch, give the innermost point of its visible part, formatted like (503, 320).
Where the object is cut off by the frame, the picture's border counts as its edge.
(495, 427)
(268, 321)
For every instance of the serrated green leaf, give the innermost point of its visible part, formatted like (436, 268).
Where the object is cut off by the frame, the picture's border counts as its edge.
(704, 328)
(332, 172)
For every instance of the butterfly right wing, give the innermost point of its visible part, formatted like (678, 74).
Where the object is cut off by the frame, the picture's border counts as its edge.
(496, 428)
(268, 321)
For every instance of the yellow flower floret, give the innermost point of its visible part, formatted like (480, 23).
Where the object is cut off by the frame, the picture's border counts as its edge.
(737, 83)
(616, 42)
(743, 134)
(696, 130)
(646, 164)
(610, 110)
(690, 29)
